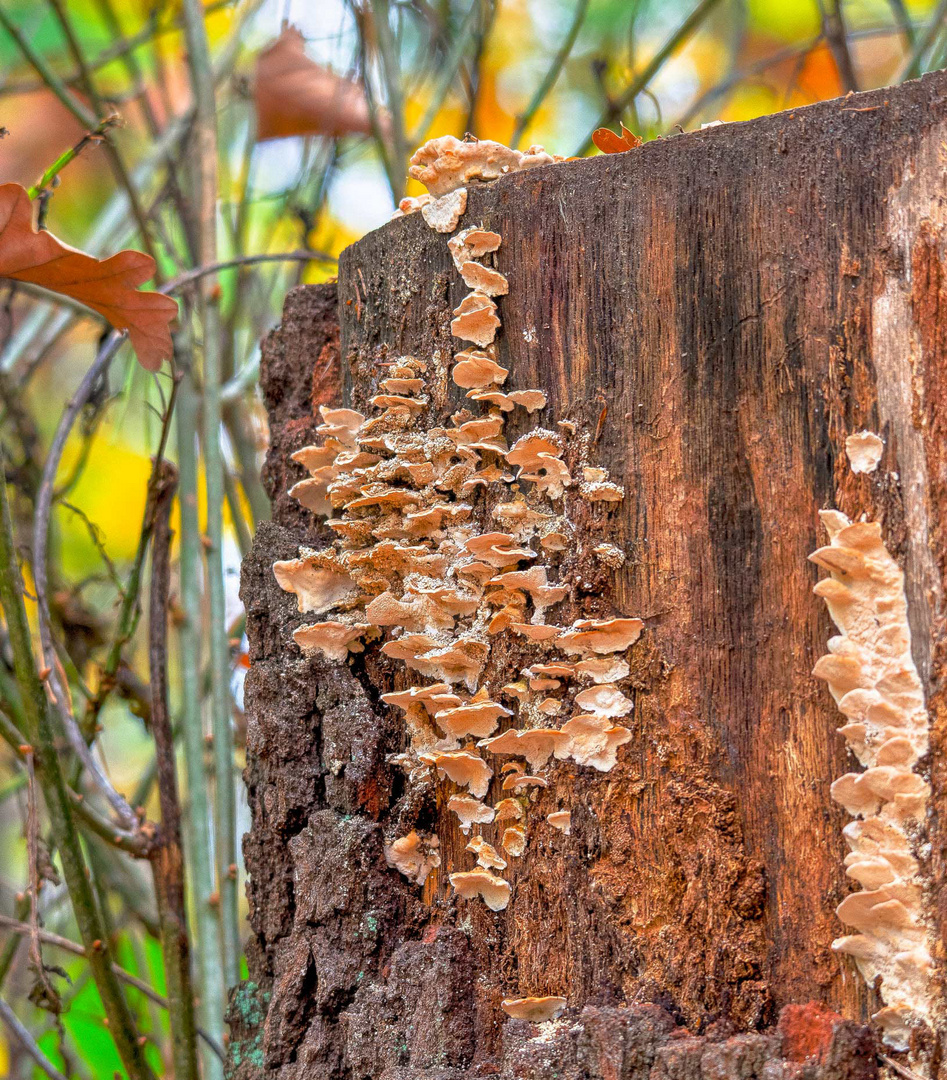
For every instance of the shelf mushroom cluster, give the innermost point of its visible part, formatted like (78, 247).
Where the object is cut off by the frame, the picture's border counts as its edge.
(871, 674)
(447, 540)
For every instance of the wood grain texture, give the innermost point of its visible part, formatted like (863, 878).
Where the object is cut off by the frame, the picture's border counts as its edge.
(716, 312)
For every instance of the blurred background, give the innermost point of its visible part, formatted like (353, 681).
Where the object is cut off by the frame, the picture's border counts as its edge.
(317, 107)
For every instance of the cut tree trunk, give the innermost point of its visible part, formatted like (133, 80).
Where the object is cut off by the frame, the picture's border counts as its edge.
(715, 314)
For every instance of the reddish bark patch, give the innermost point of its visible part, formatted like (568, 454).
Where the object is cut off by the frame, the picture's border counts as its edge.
(807, 1030)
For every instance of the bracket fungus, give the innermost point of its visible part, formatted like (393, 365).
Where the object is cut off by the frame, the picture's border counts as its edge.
(594, 741)
(536, 745)
(477, 718)
(446, 163)
(871, 674)
(600, 635)
(475, 319)
(537, 1010)
(864, 450)
(484, 280)
(604, 699)
(561, 820)
(443, 214)
(437, 551)
(474, 370)
(464, 768)
(514, 840)
(472, 243)
(414, 855)
(494, 891)
(509, 809)
(335, 640)
(487, 855)
(317, 588)
(470, 812)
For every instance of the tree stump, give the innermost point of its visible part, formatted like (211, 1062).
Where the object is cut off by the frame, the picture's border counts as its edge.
(711, 316)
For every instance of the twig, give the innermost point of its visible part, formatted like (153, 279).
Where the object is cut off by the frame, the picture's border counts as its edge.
(197, 807)
(41, 517)
(199, 272)
(29, 1044)
(32, 857)
(205, 186)
(89, 139)
(913, 64)
(483, 34)
(42, 737)
(119, 49)
(448, 72)
(22, 929)
(903, 19)
(167, 862)
(901, 1070)
(833, 29)
(133, 843)
(680, 35)
(391, 72)
(115, 157)
(51, 80)
(130, 611)
(549, 79)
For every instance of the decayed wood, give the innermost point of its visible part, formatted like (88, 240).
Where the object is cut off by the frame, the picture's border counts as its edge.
(716, 312)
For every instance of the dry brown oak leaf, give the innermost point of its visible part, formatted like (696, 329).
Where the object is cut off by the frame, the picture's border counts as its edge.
(108, 286)
(295, 96)
(610, 143)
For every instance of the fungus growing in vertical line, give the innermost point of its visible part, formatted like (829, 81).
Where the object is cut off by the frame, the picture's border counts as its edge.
(474, 370)
(864, 450)
(475, 319)
(412, 559)
(561, 820)
(464, 768)
(317, 584)
(604, 699)
(443, 214)
(538, 1010)
(484, 280)
(871, 674)
(514, 840)
(472, 243)
(600, 635)
(594, 741)
(414, 855)
(335, 640)
(487, 855)
(470, 812)
(494, 891)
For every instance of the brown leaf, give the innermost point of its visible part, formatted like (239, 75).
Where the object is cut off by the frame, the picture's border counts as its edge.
(295, 96)
(610, 143)
(108, 286)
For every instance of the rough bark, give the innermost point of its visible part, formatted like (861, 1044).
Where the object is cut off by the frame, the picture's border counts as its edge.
(716, 312)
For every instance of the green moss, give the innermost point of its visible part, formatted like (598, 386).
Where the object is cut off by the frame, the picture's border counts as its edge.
(248, 1004)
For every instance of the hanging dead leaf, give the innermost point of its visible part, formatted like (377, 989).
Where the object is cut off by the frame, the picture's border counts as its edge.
(108, 286)
(296, 96)
(610, 143)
